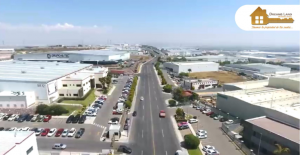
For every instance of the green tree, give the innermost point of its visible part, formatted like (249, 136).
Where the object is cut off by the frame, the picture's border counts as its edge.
(163, 80)
(103, 81)
(189, 70)
(42, 109)
(57, 110)
(178, 94)
(194, 96)
(281, 150)
(179, 112)
(169, 59)
(191, 141)
(183, 59)
(183, 74)
(128, 104)
(159, 72)
(193, 88)
(167, 88)
(172, 103)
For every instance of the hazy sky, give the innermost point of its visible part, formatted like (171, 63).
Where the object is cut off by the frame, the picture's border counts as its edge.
(186, 22)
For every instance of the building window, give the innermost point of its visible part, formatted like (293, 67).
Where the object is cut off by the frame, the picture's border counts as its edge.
(75, 94)
(70, 95)
(22, 105)
(7, 105)
(67, 95)
(61, 95)
(65, 85)
(29, 150)
(73, 84)
(256, 19)
(15, 105)
(78, 85)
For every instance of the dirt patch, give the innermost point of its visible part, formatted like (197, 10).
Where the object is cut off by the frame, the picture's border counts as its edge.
(139, 57)
(221, 76)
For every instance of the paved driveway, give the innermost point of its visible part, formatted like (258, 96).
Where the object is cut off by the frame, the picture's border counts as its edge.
(214, 132)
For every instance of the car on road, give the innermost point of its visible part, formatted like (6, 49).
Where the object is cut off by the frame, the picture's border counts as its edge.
(223, 119)
(182, 127)
(79, 133)
(114, 120)
(40, 118)
(12, 117)
(70, 119)
(45, 132)
(192, 120)
(208, 147)
(142, 98)
(47, 118)
(212, 152)
(39, 131)
(7, 117)
(162, 113)
(134, 113)
(124, 149)
(76, 118)
(65, 133)
(59, 132)
(82, 119)
(72, 132)
(201, 135)
(59, 146)
(52, 132)
(29, 118)
(201, 132)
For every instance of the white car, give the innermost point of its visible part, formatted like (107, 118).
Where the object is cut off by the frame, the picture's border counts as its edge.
(142, 98)
(65, 133)
(192, 120)
(201, 132)
(52, 132)
(113, 121)
(229, 122)
(198, 108)
(72, 132)
(201, 135)
(2, 115)
(19, 129)
(39, 131)
(212, 152)
(12, 129)
(206, 111)
(208, 147)
(12, 117)
(59, 146)
(25, 129)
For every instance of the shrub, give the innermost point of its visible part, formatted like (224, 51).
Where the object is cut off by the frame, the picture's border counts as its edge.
(193, 88)
(163, 81)
(179, 112)
(159, 72)
(105, 91)
(172, 103)
(44, 109)
(167, 88)
(191, 141)
(128, 104)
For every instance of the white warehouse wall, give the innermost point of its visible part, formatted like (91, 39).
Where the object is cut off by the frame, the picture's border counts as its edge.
(288, 84)
(199, 67)
(24, 146)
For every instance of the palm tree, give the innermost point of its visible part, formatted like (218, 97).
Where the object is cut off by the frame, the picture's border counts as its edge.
(281, 150)
(190, 70)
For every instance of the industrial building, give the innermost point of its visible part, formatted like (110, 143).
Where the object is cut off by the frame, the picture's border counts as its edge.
(271, 113)
(245, 85)
(257, 59)
(18, 143)
(23, 83)
(83, 56)
(217, 58)
(257, 68)
(200, 84)
(295, 66)
(178, 67)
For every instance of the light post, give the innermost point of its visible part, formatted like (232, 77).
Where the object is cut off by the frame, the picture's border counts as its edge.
(219, 111)
(259, 144)
(237, 119)
(228, 115)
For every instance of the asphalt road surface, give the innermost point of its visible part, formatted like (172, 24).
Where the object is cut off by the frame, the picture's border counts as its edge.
(151, 135)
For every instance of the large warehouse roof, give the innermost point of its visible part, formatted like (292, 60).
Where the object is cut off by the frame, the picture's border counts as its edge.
(250, 84)
(259, 67)
(36, 71)
(278, 99)
(97, 52)
(192, 63)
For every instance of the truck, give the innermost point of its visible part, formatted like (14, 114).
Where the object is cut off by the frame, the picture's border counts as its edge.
(162, 113)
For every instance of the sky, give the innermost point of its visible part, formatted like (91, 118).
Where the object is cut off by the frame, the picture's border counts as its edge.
(161, 22)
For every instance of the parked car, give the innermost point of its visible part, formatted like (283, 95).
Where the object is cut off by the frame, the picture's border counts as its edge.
(72, 132)
(76, 118)
(65, 133)
(124, 149)
(213, 115)
(12, 129)
(25, 129)
(1, 128)
(12, 117)
(198, 108)
(59, 146)
(33, 129)
(17, 117)
(218, 117)
(209, 113)
(59, 132)
(34, 118)
(223, 119)
(29, 118)
(47, 118)
(40, 118)
(7, 117)
(70, 119)
(206, 111)
(52, 132)
(39, 131)
(79, 133)
(23, 117)
(182, 123)
(212, 152)
(182, 127)
(208, 147)
(82, 119)
(126, 127)
(45, 132)
(192, 120)
(229, 122)
(114, 120)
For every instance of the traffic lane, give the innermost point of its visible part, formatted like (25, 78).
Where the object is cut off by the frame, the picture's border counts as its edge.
(72, 145)
(214, 133)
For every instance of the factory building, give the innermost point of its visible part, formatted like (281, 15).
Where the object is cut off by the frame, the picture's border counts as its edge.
(178, 67)
(24, 83)
(257, 68)
(295, 66)
(200, 84)
(278, 102)
(218, 58)
(245, 85)
(256, 59)
(84, 56)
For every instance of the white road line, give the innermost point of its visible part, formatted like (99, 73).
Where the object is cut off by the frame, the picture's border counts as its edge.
(155, 98)
(162, 131)
(143, 117)
(142, 152)
(143, 107)
(142, 133)
(157, 106)
(166, 153)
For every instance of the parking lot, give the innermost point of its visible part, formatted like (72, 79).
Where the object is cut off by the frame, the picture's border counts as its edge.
(215, 136)
(94, 126)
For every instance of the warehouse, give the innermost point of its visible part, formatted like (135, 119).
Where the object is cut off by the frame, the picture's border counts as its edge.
(178, 67)
(44, 82)
(254, 59)
(257, 68)
(294, 66)
(84, 56)
(217, 58)
(200, 84)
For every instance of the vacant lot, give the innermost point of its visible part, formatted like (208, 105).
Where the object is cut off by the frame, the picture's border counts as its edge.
(139, 57)
(221, 76)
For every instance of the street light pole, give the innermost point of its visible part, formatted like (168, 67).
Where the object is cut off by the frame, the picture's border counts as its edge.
(259, 144)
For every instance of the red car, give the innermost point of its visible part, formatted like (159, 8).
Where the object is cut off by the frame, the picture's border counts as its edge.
(45, 132)
(209, 113)
(47, 118)
(59, 132)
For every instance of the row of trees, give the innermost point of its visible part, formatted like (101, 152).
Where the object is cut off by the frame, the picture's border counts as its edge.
(105, 82)
(44, 109)
(178, 95)
(129, 100)
(167, 88)
(176, 59)
(160, 73)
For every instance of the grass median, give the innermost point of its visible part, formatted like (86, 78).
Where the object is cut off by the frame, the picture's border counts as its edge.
(194, 152)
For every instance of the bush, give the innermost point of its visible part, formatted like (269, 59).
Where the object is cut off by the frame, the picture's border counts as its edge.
(163, 81)
(44, 109)
(193, 88)
(128, 104)
(191, 141)
(159, 72)
(172, 103)
(105, 91)
(179, 112)
(167, 88)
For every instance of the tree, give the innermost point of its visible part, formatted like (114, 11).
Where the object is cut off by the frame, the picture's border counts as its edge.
(169, 59)
(179, 112)
(163, 80)
(178, 94)
(172, 103)
(193, 88)
(167, 88)
(281, 150)
(191, 141)
(190, 70)
(183, 74)
(103, 81)
(159, 72)
(194, 96)
(128, 104)
(183, 59)
(42, 109)
(57, 110)
(108, 80)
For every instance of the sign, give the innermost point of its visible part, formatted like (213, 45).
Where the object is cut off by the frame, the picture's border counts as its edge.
(41, 85)
(57, 55)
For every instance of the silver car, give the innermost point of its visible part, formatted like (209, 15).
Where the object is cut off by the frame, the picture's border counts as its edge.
(59, 146)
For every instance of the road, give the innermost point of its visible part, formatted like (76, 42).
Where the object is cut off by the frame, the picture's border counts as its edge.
(149, 134)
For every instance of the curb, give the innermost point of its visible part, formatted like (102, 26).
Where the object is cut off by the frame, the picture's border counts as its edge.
(157, 76)
(111, 90)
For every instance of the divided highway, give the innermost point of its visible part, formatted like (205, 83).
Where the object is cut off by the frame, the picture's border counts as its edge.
(151, 135)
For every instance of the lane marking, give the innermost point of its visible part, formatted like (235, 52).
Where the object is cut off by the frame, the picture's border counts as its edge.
(142, 133)
(166, 153)
(143, 107)
(157, 106)
(151, 119)
(162, 131)
(142, 152)
(143, 117)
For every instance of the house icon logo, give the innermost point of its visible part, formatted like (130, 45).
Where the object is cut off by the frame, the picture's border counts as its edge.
(260, 17)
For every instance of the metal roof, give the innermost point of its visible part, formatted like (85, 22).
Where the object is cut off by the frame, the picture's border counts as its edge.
(97, 52)
(259, 67)
(37, 71)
